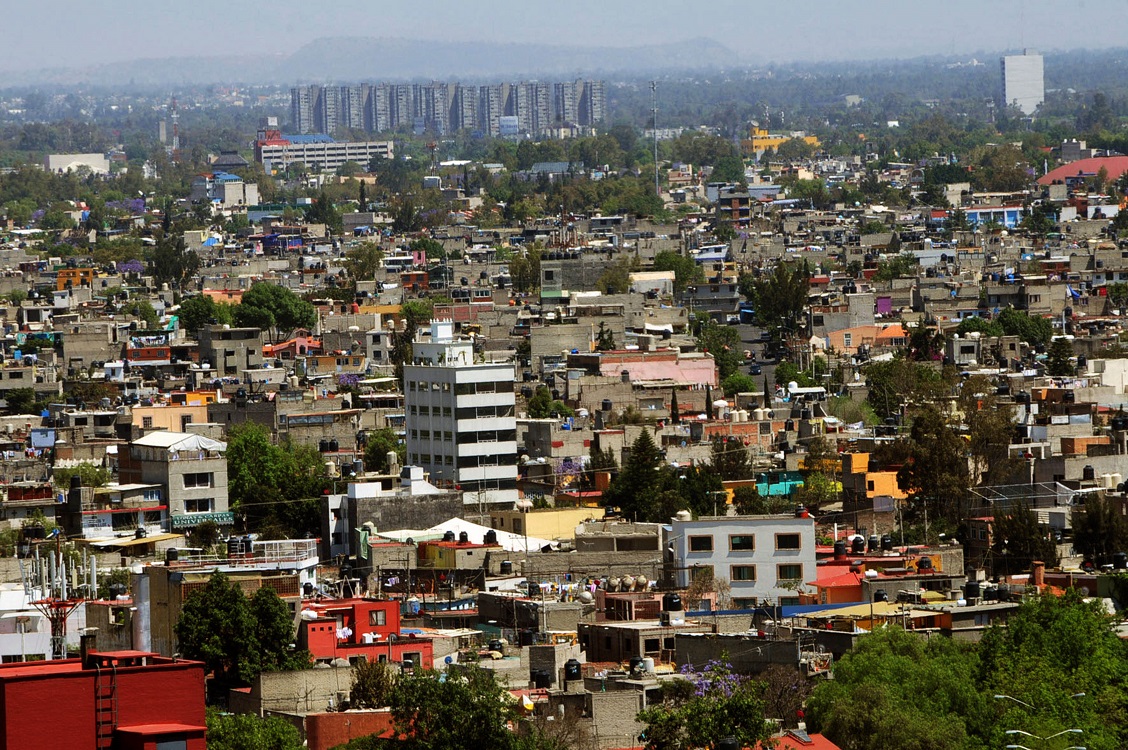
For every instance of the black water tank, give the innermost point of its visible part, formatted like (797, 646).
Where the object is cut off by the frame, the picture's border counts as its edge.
(606, 405)
(507, 567)
(1069, 397)
(636, 663)
(886, 543)
(491, 537)
(334, 446)
(880, 596)
(1120, 561)
(573, 670)
(671, 602)
(448, 536)
(972, 590)
(925, 565)
(839, 549)
(1088, 473)
(1120, 422)
(76, 482)
(463, 537)
(541, 678)
(323, 446)
(728, 743)
(1003, 592)
(172, 554)
(307, 589)
(858, 545)
(496, 645)
(234, 546)
(874, 543)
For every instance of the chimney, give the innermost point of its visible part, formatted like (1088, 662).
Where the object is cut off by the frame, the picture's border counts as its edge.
(87, 643)
(1038, 573)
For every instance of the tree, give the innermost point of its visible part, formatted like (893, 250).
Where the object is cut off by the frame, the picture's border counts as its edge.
(990, 431)
(363, 261)
(287, 309)
(1032, 330)
(541, 405)
(604, 338)
(705, 707)
(372, 685)
(976, 324)
(724, 343)
(274, 629)
(250, 732)
(196, 312)
(524, 270)
(464, 709)
(926, 342)
(323, 211)
(898, 691)
(730, 459)
(90, 474)
(780, 298)
(786, 690)
(1099, 531)
(291, 476)
(748, 501)
(1051, 649)
(729, 169)
(900, 382)
(216, 627)
(936, 475)
(21, 401)
(686, 271)
(413, 313)
(1019, 540)
(379, 444)
(616, 278)
(640, 480)
(143, 310)
(738, 382)
(172, 263)
(1059, 353)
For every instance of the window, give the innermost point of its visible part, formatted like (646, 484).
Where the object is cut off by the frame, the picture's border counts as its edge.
(742, 542)
(745, 603)
(200, 505)
(378, 617)
(742, 573)
(789, 572)
(201, 479)
(146, 422)
(788, 541)
(847, 340)
(701, 544)
(651, 645)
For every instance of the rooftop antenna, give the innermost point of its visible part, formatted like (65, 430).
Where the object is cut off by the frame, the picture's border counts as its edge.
(654, 126)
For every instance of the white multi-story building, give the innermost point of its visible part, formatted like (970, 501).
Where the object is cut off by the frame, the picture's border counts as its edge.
(461, 424)
(766, 559)
(1023, 82)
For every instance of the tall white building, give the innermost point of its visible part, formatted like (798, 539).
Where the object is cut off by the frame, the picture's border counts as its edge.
(461, 420)
(1023, 82)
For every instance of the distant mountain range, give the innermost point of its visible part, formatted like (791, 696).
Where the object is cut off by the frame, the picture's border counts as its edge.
(357, 59)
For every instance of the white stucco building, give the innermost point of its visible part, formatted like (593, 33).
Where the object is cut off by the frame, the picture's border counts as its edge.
(460, 419)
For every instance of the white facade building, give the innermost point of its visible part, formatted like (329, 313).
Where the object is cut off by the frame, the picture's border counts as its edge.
(461, 422)
(766, 559)
(1023, 82)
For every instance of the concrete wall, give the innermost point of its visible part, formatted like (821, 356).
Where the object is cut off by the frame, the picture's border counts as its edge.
(300, 691)
(595, 564)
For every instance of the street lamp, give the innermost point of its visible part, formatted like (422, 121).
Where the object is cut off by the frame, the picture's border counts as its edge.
(1027, 705)
(1044, 739)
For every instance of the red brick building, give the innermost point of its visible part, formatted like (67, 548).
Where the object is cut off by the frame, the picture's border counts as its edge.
(125, 700)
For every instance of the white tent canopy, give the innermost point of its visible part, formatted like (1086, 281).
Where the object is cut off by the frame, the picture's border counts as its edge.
(475, 532)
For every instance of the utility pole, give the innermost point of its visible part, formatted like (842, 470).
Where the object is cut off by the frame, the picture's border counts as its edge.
(654, 131)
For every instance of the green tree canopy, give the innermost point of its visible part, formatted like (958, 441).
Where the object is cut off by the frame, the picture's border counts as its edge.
(779, 298)
(686, 271)
(249, 732)
(705, 707)
(196, 312)
(1032, 330)
(288, 310)
(379, 444)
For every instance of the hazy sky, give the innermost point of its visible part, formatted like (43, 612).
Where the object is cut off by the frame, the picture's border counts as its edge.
(69, 33)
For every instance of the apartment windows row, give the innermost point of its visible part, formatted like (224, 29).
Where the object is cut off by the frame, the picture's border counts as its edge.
(483, 412)
(745, 542)
(423, 410)
(445, 436)
(428, 459)
(786, 573)
(471, 389)
(422, 386)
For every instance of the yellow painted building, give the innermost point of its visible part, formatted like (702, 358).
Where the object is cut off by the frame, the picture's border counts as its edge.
(173, 417)
(545, 523)
(760, 140)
